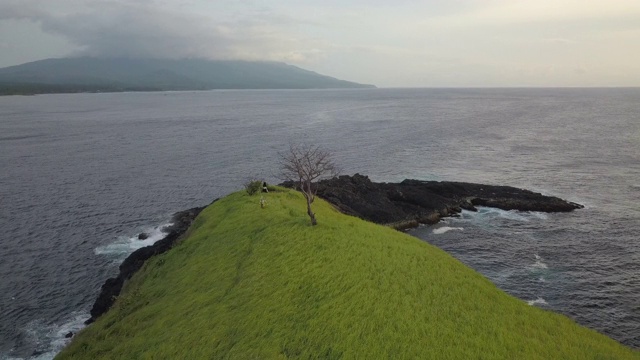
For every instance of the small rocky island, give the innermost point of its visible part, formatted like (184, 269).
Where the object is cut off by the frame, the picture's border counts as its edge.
(400, 205)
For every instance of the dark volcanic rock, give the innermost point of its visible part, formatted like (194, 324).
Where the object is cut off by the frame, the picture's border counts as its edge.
(112, 286)
(411, 202)
(69, 335)
(143, 236)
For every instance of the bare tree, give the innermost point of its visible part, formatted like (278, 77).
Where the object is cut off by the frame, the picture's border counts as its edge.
(304, 164)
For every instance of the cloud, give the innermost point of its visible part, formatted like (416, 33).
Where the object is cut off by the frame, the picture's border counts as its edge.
(507, 12)
(580, 70)
(561, 41)
(402, 43)
(147, 28)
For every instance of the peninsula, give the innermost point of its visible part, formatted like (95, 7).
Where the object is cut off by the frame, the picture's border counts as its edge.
(245, 281)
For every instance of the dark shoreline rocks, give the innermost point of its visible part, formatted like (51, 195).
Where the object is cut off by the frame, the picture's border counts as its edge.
(112, 286)
(412, 202)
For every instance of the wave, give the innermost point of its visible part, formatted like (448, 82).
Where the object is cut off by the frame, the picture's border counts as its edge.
(444, 229)
(538, 301)
(539, 264)
(19, 137)
(126, 245)
(50, 339)
(486, 214)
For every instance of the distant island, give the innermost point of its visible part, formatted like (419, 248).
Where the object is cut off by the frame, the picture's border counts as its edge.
(89, 74)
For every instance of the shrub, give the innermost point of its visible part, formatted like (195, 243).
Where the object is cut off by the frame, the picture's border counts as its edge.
(253, 186)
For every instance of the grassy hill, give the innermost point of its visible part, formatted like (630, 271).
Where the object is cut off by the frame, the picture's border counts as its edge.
(253, 283)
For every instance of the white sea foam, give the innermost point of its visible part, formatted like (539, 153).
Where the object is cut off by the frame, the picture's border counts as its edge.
(505, 214)
(444, 229)
(539, 215)
(539, 264)
(49, 340)
(538, 301)
(126, 245)
(485, 214)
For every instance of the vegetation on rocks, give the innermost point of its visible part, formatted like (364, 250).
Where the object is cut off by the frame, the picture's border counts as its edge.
(261, 283)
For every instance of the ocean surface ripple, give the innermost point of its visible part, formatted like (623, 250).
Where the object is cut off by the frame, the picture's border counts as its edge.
(83, 174)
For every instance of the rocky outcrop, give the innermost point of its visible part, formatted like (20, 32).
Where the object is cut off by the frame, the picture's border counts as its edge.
(401, 205)
(411, 202)
(112, 286)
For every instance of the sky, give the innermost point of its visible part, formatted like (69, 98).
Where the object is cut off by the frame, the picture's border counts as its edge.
(400, 43)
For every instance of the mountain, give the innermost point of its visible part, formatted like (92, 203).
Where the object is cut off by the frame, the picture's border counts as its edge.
(88, 74)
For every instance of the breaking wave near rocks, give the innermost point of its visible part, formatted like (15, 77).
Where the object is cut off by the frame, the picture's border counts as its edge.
(125, 245)
(444, 229)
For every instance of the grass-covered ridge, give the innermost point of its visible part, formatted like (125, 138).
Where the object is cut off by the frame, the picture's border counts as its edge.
(253, 283)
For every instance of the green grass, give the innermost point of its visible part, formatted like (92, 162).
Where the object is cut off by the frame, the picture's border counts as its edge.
(253, 283)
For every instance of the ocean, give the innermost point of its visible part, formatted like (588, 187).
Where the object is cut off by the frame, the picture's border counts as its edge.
(81, 175)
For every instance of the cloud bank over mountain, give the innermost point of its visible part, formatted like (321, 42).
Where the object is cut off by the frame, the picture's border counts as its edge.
(404, 43)
(153, 29)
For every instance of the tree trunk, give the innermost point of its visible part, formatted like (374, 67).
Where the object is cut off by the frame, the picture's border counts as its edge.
(310, 213)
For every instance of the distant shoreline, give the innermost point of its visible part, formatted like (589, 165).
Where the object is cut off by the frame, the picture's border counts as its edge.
(4, 91)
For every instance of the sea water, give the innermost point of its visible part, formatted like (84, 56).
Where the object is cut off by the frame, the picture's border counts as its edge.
(82, 175)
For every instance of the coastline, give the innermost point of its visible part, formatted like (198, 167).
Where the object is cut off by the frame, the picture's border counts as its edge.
(244, 270)
(400, 206)
(181, 221)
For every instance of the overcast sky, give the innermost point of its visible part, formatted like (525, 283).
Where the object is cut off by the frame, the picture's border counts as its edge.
(400, 43)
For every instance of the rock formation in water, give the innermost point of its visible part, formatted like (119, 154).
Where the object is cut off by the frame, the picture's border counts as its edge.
(411, 202)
